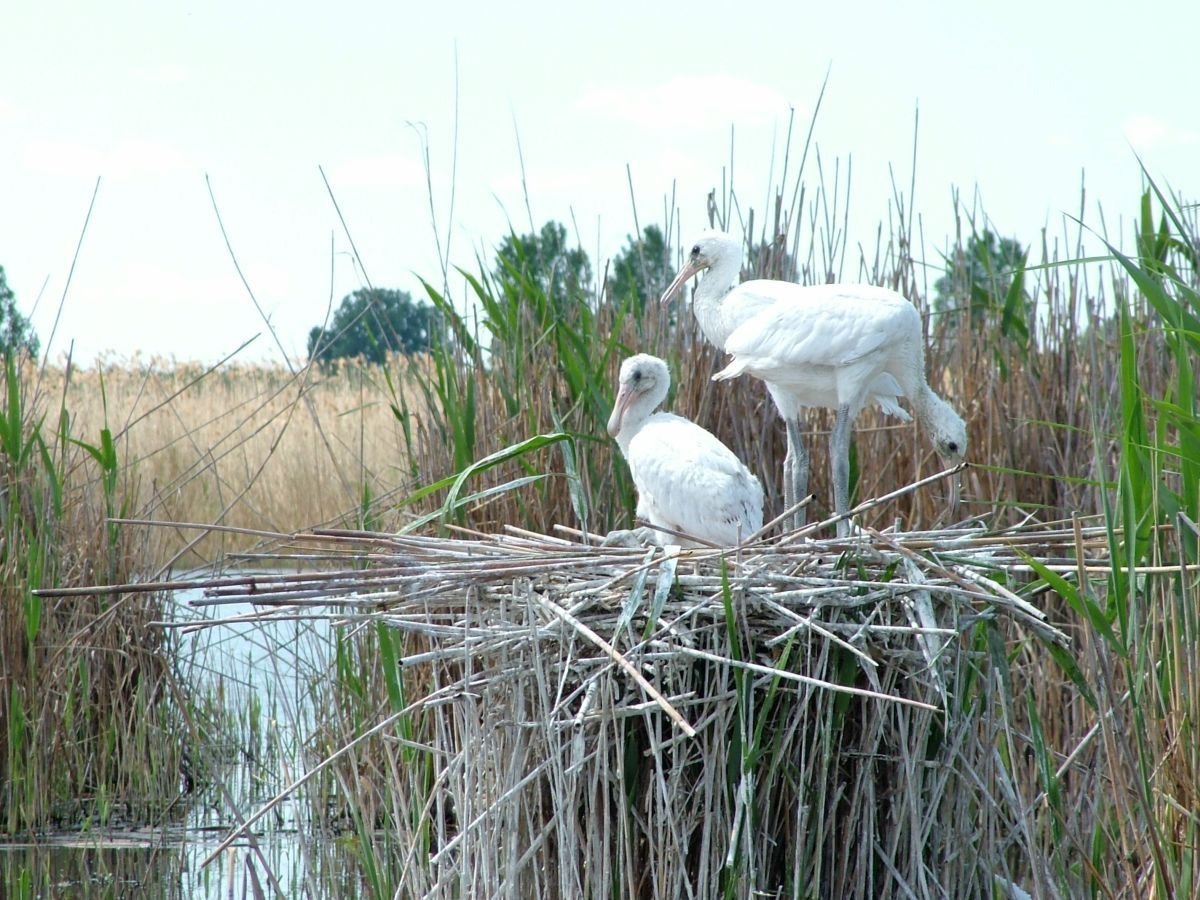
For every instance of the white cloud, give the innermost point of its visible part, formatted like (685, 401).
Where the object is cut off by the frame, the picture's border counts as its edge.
(61, 158)
(138, 157)
(182, 311)
(687, 101)
(544, 179)
(387, 170)
(1147, 131)
(123, 159)
(162, 73)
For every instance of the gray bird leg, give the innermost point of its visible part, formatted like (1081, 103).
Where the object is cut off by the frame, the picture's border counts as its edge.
(789, 466)
(795, 472)
(839, 449)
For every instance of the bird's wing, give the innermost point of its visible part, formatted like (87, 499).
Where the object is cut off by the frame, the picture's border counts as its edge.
(825, 325)
(690, 481)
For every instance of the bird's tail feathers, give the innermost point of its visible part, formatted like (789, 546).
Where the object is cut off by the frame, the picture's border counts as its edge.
(735, 368)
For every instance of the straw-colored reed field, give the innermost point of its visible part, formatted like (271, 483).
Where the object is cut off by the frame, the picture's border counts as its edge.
(256, 447)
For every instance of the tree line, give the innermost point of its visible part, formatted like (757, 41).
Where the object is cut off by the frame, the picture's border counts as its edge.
(372, 323)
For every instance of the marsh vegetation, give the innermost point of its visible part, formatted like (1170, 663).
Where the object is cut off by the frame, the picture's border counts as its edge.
(1077, 381)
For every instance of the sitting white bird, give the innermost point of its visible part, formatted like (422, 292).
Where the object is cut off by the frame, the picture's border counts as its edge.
(839, 346)
(686, 479)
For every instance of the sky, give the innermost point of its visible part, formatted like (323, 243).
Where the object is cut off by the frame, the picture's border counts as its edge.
(424, 113)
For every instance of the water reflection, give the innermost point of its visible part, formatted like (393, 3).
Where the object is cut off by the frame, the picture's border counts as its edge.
(263, 679)
(140, 864)
(266, 676)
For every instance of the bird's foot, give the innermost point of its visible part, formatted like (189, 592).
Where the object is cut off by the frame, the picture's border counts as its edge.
(634, 539)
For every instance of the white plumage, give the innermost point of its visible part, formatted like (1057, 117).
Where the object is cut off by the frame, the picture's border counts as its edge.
(840, 346)
(686, 479)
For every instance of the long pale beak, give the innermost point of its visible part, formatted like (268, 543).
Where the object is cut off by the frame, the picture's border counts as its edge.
(624, 397)
(953, 499)
(690, 269)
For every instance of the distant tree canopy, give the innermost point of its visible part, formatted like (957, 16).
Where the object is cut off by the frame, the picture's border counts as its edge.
(563, 274)
(642, 270)
(979, 276)
(373, 322)
(986, 281)
(15, 331)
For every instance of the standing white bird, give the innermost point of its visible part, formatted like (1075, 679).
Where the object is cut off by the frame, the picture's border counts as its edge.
(686, 479)
(839, 346)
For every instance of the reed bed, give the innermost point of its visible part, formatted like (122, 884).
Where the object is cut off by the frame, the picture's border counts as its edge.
(488, 713)
(97, 727)
(1004, 707)
(90, 731)
(800, 717)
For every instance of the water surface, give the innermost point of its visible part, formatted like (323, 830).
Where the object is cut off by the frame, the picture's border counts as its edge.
(263, 675)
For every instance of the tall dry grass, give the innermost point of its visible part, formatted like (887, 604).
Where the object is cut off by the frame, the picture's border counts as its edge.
(96, 727)
(92, 729)
(255, 447)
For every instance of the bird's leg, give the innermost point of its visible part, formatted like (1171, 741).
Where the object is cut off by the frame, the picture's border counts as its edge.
(795, 472)
(789, 463)
(839, 448)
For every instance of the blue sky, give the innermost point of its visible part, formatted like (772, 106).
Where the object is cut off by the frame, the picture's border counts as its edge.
(1021, 101)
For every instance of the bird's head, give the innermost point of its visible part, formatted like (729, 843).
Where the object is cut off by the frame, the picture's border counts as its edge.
(949, 434)
(643, 384)
(711, 248)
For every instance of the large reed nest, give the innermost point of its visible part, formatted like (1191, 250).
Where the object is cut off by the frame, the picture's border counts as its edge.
(796, 718)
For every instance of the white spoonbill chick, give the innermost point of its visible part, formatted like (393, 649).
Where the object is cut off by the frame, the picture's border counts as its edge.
(686, 479)
(839, 346)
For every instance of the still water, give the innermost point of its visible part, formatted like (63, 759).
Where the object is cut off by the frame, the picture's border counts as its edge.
(263, 674)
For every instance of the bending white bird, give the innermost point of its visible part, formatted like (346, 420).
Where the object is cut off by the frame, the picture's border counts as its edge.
(839, 346)
(686, 479)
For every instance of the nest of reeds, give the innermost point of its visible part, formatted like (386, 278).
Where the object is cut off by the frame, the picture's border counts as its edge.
(800, 718)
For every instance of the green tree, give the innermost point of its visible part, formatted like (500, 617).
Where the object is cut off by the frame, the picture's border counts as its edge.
(980, 276)
(563, 274)
(15, 331)
(373, 322)
(984, 287)
(642, 270)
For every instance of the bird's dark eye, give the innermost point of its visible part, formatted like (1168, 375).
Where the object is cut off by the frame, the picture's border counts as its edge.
(952, 446)
(696, 250)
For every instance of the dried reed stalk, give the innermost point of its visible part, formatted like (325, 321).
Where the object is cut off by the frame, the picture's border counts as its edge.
(822, 718)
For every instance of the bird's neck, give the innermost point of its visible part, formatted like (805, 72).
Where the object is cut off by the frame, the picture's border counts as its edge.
(928, 406)
(627, 433)
(634, 419)
(706, 302)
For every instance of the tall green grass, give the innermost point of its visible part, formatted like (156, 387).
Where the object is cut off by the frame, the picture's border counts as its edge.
(1141, 628)
(521, 363)
(91, 732)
